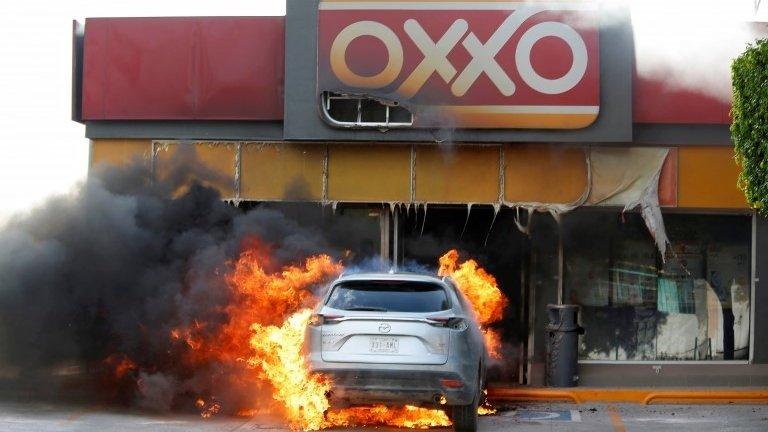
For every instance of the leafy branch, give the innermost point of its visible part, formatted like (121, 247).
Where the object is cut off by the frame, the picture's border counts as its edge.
(749, 128)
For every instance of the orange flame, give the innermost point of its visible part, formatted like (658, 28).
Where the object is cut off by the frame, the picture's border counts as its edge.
(478, 286)
(265, 331)
(208, 410)
(277, 351)
(120, 365)
(486, 411)
(407, 417)
(482, 291)
(492, 343)
(259, 298)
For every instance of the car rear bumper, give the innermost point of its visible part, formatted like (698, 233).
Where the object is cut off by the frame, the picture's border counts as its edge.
(382, 384)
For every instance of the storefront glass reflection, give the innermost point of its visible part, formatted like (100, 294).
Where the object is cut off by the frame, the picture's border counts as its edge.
(694, 305)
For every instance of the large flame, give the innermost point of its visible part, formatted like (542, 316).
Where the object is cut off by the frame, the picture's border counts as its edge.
(277, 353)
(276, 341)
(482, 291)
(407, 416)
(263, 335)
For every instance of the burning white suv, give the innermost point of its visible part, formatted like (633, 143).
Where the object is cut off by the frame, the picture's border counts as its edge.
(397, 339)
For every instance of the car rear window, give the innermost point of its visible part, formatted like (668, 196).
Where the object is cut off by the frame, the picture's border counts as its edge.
(389, 296)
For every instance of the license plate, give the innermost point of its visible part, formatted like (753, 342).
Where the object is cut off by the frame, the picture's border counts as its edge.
(389, 345)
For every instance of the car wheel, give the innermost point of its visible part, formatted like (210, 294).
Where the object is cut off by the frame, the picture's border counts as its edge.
(464, 417)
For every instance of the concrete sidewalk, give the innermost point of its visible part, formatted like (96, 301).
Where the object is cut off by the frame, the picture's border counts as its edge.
(26, 417)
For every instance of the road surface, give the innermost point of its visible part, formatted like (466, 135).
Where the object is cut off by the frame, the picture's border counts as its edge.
(42, 417)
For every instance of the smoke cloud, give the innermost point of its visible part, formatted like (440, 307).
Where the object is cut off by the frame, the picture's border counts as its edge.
(690, 44)
(100, 277)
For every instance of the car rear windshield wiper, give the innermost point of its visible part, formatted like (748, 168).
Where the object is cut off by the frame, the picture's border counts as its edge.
(367, 309)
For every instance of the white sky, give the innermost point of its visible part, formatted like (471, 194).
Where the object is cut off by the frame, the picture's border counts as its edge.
(43, 152)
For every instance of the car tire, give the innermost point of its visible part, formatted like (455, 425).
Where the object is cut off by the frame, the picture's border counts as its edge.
(464, 417)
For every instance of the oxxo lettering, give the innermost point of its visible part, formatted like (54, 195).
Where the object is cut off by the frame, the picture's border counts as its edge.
(483, 56)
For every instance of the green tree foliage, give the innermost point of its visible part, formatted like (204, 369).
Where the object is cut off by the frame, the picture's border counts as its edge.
(750, 122)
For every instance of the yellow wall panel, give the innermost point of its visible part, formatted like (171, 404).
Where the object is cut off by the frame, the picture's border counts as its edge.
(119, 152)
(369, 173)
(282, 171)
(211, 163)
(707, 178)
(544, 173)
(457, 174)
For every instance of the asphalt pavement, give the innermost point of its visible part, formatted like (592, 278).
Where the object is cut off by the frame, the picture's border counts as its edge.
(33, 417)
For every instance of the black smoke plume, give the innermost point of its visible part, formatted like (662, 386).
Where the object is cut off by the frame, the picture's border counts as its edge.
(105, 273)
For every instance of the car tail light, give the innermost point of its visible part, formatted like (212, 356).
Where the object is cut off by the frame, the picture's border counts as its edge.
(451, 383)
(454, 323)
(318, 319)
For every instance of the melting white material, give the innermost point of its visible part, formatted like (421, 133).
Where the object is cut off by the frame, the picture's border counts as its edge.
(525, 229)
(496, 210)
(466, 221)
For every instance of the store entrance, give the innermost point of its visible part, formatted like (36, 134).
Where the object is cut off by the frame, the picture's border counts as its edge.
(494, 241)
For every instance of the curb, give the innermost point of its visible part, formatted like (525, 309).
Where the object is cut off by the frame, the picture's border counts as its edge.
(631, 395)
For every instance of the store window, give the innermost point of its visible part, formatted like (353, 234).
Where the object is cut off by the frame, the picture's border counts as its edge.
(693, 305)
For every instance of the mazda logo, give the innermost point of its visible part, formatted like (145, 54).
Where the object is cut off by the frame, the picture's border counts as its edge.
(384, 328)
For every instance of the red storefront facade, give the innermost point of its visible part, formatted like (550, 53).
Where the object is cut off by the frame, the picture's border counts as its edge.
(317, 109)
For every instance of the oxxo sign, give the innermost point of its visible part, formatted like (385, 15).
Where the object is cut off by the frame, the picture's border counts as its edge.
(478, 64)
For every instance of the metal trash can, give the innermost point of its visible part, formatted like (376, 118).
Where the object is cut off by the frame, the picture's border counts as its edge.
(563, 332)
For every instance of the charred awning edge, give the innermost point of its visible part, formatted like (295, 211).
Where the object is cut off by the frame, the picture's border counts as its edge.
(631, 184)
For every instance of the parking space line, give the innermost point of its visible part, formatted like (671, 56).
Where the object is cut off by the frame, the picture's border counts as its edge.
(618, 425)
(575, 416)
